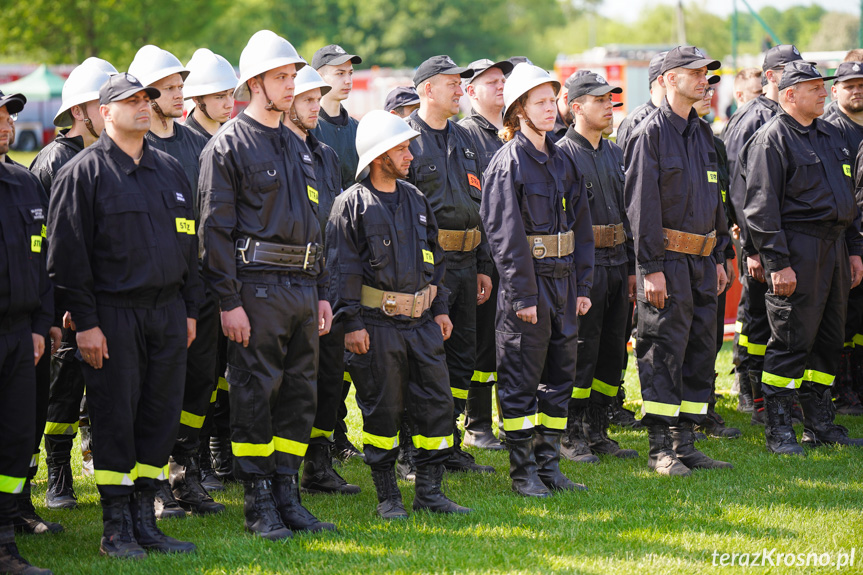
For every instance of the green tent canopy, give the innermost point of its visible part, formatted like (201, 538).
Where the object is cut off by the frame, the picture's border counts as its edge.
(40, 85)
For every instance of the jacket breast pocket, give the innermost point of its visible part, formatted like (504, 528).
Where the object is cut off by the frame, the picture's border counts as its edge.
(808, 173)
(34, 226)
(671, 172)
(127, 224)
(263, 177)
(536, 204)
(379, 240)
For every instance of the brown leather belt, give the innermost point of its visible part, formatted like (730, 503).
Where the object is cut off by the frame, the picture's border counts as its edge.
(555, 246)
(685, 243)
(394, 303)
(609, 236)
(459, 240)
(257, 251)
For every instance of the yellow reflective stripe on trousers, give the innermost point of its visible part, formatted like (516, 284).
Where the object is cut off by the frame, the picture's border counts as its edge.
(816, 376)
(223, 384)
(657, 408)
(604, 388)
(459, 393)
(550, 422)
(214, 395)
(519, 423)
(13, 485)
(322, 433)
(743, 341)
(34, 460)
(693, 407)
(347, 377)
(290, 446)
(484, 376)
(580, 392)
(738, 326)
(56, 428)
(150, 471)
(379, 441)
(252, 449)
(105, 477)
(848, 344)
(757, 348)
(779, 381)
(192, 420)
(432, 443)
(857, 339)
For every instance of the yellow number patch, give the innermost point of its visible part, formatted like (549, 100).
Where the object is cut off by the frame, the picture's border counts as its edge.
(847, 169)
(36, 244)
(313, 194)
(428, 257)
(185, 226)
(712, 177)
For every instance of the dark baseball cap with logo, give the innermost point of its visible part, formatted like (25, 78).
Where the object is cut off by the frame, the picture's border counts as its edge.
(333, 55)
(800, 71)
(439, 65)
(849, 71)
(480, 66)
(14, 102)
(401, 96)
(776, 57)
(654, 69)
(574, 76)
(688, 57)
(121, 86)
(590, 84)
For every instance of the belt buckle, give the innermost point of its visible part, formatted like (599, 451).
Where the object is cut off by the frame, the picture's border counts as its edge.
(389, 305)
(308, 255)
(558, 244)
(539, 249)
(242, 246)
(704, 243)
(419, 298)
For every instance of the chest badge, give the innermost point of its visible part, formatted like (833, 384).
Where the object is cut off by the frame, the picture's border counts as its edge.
(474, 181)
(180, 197)
(423, 219)
(712, 177)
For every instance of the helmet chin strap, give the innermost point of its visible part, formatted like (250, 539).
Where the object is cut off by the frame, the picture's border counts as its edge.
(156, 108)
(523, 115)
(392, 166)
(88, 122)
(295, 119)
(270, 106)
(199, 102)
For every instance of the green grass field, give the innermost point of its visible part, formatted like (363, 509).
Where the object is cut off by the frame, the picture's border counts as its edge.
(630, 520)
(24, 158)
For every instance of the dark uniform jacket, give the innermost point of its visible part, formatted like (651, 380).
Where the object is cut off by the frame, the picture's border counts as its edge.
(368, 244)
(449, 173)
(196, 127)
(122, 233)
(672, 181)
(54, 156)
(327, 175)
(340, 134)
(851, 131)
(26, 294)
(724, 184)
(530, 193)
(798, 176)
(484, 134)
(185, 146)
(604, 176)
(631, 121)
(255, 184)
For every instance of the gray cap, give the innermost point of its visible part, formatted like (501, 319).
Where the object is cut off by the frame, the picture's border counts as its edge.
(480, 66)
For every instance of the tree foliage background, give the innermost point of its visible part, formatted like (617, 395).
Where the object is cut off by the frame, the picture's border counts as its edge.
(388, 33)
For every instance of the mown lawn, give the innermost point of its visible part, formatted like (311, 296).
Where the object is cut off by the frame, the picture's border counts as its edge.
(24, 158)
(631, 521)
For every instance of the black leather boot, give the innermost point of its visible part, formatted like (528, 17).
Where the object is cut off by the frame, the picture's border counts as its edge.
(390, 505)
(846, 400)
(683, 439)
(118, 538)
(343, 449)
(286, 492)
(28, 521)
(406, 465)
(167, 506)
(819, 413)
(259, 510)
(714, 426)
(619, 415)
(546, 450)
(462, 461)
(223, 457)
(523, 469)
(319, 475)
(185, 476)
(595, 430)
(147, 533)
(744, 397)
(477, 420)
(573, 445)
(60, 493)
(778, 430)
(209, 479)
(429, 496)
(10, 559)
(661, 458)
(759, 417)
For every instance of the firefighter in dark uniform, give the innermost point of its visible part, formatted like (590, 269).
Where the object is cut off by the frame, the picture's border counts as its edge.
(26, 314)
(318, 473)
(536, 214)
(182, 491)
(80, 110)
(448, 170)
(123, 257)
(847, 115)
(263, 260)
(602, 332)
(210, 85)
(802, 217)
(754, 328)
(337, 129)
(679, 231)
(485, 91)
(388, 268)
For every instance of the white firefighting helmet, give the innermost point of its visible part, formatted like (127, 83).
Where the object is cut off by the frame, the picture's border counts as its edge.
(308, 79)
(524, 78)
(378, 132)
(265, 51)
(209, 73)
(81, 86)
(151, 64)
